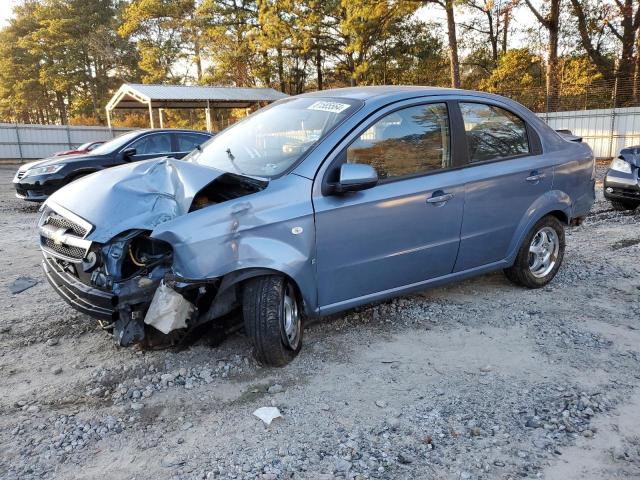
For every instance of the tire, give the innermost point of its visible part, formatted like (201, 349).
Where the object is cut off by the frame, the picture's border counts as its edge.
(624, 204)
(267, 303)
(529, 269)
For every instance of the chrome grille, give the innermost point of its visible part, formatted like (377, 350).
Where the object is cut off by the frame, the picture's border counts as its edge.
(62, 249)
(58, 221)
(63, 237)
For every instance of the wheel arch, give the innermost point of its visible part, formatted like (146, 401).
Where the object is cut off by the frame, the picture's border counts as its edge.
(555, 202)
(561, 215)
(81, 173)
(237, 277)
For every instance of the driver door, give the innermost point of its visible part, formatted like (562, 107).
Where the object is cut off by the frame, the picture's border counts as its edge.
(397, 234)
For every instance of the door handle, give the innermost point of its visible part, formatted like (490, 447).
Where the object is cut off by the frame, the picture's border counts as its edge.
(535, 177)
(445, 197)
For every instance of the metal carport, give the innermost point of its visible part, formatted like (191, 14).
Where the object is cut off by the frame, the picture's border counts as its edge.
(149, 97)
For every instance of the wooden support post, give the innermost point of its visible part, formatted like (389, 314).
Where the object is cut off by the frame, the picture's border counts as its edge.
(208, 117)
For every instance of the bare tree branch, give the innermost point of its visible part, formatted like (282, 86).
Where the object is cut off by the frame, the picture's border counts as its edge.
(537, 14)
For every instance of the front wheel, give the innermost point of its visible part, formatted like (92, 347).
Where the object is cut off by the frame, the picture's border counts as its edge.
(540, 255)
(272, 319)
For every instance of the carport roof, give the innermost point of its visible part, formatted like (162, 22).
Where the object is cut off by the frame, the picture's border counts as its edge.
(138, 96)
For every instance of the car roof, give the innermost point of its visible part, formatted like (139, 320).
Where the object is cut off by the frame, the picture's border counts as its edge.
(396, 92)
(170, 130)
(364, 93)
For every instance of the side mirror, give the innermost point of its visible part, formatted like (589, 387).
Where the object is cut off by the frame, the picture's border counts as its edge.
(355, 177)
(127, 153)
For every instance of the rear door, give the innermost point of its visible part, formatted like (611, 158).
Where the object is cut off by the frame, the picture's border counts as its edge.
(401, 232)
(505, 176)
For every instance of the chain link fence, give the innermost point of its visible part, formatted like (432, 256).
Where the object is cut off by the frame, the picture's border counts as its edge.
(605, 113)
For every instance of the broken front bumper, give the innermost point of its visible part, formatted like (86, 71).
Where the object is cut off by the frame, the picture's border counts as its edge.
(92, 301)
(101, 303)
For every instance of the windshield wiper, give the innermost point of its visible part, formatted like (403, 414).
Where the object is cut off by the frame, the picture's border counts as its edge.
(232, 159)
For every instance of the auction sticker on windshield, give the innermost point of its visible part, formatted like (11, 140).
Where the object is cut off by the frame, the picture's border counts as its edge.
(333, 107)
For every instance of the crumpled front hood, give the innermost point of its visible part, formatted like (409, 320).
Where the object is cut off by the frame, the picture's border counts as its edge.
(631, 155)
(138, 195)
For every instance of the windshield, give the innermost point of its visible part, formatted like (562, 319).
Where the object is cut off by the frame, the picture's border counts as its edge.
(273, 139)
(113, 145)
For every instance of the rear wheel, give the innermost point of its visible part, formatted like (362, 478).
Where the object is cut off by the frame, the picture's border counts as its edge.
(540, 254)
(272, 319)
(624, 204)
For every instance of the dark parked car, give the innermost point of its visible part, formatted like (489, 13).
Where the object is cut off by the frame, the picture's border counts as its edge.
(81, 150)
(622, 183)
(35, 181)
(315, 205)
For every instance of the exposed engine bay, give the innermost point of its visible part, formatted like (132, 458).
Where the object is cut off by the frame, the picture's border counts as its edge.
(226, 187)
(128, 282)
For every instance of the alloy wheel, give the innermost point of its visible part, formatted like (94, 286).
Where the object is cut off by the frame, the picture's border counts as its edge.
(543, 252)
(291, 321)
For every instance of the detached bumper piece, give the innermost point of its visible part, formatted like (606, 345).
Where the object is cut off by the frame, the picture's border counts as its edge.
(168, 310)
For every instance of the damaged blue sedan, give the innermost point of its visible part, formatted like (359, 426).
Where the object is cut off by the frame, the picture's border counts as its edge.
(314, 205)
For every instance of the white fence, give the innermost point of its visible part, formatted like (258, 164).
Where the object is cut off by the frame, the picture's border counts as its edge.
(27, 142)
(606, 131)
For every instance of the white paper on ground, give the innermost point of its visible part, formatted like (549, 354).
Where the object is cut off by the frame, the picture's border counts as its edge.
(267, 414)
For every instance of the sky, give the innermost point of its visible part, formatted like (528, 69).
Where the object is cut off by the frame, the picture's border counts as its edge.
(522, 18)
(5, 10)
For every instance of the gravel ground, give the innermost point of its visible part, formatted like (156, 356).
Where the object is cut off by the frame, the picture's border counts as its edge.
(476, 380)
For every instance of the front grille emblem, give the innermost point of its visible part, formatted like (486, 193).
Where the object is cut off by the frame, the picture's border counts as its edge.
(62, 236)
(58, 235)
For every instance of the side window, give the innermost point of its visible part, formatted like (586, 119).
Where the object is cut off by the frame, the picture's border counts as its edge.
(405, 142)
(150, 144)
(492, 132)
(189, 141)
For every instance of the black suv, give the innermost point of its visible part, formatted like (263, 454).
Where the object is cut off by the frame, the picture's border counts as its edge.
(35, 181)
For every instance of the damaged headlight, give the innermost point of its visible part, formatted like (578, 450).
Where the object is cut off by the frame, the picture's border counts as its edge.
(130, 254)
(620, 165)
(48, 170)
